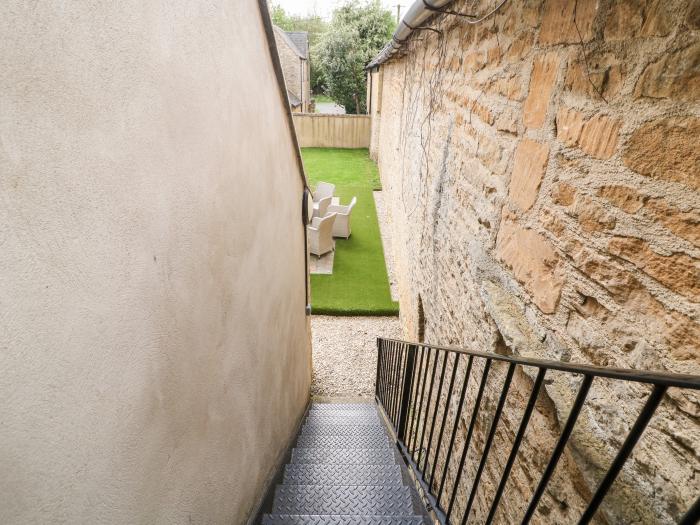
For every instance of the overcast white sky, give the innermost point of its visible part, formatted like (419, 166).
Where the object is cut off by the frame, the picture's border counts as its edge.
(325, 7)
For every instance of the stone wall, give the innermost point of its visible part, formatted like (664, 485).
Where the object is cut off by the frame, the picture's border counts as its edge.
(542, 172)
(297, 74)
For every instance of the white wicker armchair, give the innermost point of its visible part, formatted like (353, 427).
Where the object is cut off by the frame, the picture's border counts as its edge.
(323, 190)
(341, 226)
(321, 207)
(320, 235)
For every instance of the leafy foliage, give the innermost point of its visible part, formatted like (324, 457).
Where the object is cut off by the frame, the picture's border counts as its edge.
(357, 32)
(280, 17)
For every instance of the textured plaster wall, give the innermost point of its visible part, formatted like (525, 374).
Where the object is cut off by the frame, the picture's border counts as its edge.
(154, 351)
(542, 174)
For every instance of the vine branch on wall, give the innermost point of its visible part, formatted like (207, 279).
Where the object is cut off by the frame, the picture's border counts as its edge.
(599, 91)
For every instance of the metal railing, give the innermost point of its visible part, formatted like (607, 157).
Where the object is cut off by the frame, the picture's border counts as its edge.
(416, 382)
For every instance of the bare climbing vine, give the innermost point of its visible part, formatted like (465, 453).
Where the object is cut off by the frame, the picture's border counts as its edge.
(416, 88)
(598, 90)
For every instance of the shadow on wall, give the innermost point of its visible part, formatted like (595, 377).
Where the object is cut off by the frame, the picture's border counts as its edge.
(421, 320)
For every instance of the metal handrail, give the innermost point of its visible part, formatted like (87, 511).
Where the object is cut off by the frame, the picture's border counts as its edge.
(409, 373)
(626, 374)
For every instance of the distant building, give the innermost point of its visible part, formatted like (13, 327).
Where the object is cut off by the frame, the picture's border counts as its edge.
(293, 48)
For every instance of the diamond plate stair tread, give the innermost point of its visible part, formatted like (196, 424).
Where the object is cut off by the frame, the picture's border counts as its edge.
(342, 430)
(351, 456)
(358, 411)
(306, 519)
(324, 474)
(360, 407)
(360, 500)
(338, 418)
(340, 422)
(348, 411)
(341, 441)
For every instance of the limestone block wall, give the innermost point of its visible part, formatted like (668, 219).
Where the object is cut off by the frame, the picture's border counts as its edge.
(375, 84)
(542, 172)
(297, 74)
(154, 352)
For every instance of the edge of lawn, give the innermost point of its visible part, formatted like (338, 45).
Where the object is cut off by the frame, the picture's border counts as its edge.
(388, 309)
(357, 312)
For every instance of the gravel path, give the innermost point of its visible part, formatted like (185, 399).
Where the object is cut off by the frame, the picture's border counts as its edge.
(385, 232)
(345, 354)
(329, 108)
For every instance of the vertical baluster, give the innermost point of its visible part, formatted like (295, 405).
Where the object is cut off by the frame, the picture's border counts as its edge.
(387, 374)
(427, 411)
(489, 441)
(450, 389)
(404, 374)
(392, 369)
(399, 384)
(559, 448)
(640, 424)
(416, 405)
(420, 405)
(455, 426)
(435, 411)
(516, 443)
(475, 413)
(380, 376)
(382, 373)
(376, 374)
(414, 395)
(406, 391)
(385, 363)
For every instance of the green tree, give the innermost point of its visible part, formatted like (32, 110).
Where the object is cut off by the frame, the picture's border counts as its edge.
(357, 32)
(280, 17)
(315, 26)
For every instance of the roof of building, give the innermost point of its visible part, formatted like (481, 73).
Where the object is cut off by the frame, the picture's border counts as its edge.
(298, 41)
(301, 41)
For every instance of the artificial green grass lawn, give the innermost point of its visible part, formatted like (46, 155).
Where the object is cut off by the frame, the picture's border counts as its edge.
(359, 284)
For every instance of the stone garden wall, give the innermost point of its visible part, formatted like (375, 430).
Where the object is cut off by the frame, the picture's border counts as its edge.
(542, 171)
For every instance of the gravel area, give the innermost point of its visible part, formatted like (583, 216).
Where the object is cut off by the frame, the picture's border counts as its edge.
(386, 242)
(345, 354)
(329, 108)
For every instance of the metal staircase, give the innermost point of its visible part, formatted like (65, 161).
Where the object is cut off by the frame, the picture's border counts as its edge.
(343, 471)
(346, 469)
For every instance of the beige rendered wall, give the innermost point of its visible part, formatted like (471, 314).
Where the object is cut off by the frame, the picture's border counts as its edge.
(546, 204)
(153, 344)
(332, 131)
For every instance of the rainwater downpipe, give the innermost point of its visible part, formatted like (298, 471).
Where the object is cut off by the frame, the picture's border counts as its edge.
(416, 16)
(301, 83)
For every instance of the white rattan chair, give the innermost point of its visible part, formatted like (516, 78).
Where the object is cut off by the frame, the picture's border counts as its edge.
(323, 190)
(320, 235)
(341, 226)
(321, 207)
